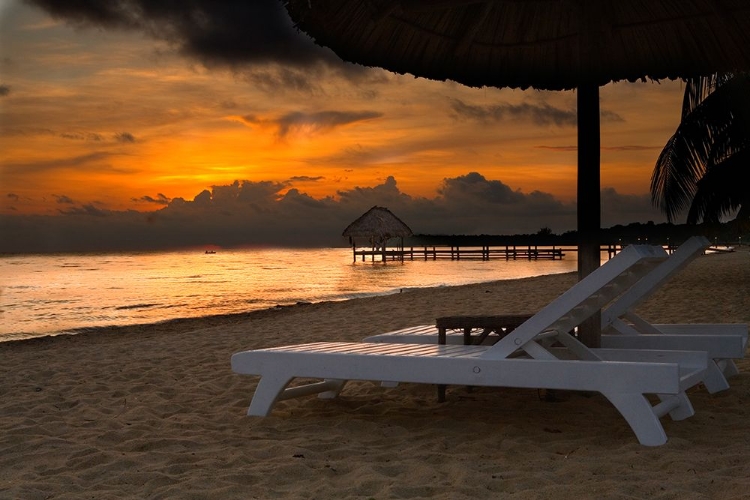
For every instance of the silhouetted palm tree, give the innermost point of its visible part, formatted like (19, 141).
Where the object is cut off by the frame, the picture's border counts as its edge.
(705, 164)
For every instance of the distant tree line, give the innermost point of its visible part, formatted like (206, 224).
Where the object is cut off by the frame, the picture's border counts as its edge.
(730, 233)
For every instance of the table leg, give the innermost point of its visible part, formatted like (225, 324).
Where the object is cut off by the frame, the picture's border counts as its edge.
(441, 388)
(482, 336)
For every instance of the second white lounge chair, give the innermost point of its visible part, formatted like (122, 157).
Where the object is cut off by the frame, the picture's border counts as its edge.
(622, 327)
(528, 357)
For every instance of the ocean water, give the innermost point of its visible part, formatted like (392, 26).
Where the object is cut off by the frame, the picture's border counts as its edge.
(51, 294)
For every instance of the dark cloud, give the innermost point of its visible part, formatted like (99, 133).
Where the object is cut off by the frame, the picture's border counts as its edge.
(623, 209)
(399, 150)
(559, 148)
(269, 213)
(87, 210)
(294, 200)
(606, 115)
(274, 79)
(4, 90)
(387, 193)
(13, 196)
(484, 206)
(80, 136)
(159, 200)
(229, 32)
(27, 131)
(604, 148)
(259, 197)
(473, 188)
(321, 121)
(124, 137)
(542, 113)
(306, 178)
(63, 200)
(632, 148)
(93, 161)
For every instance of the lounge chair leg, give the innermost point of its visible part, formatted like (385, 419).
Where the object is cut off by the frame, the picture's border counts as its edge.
(678, 406)
(267, 393)
(637, 411)
(441, 393)
(714, 379)
(728, 368)
(333, 392)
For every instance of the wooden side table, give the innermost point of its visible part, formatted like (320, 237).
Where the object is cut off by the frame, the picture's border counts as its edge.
(499, 325)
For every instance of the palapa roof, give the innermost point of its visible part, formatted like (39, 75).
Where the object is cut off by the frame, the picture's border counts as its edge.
(545, 44)
(378, 222)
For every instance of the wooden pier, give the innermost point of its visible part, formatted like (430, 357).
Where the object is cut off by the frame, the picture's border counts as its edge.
(485, 252)
(507, 252)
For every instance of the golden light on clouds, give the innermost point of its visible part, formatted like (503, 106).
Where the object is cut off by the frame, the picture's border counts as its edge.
(113, 117)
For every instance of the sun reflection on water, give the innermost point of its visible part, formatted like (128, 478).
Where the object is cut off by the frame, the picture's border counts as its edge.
(47, 294)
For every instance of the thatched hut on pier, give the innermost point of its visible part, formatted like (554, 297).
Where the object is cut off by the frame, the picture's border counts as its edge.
(378, 225)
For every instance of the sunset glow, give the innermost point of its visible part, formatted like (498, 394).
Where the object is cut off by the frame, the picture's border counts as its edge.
(118, 120)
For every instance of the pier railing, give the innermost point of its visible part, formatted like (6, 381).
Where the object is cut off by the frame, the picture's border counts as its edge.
(483, 252)
(488, 252)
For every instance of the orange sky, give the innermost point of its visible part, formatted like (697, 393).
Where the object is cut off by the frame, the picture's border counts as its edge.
(107, 117)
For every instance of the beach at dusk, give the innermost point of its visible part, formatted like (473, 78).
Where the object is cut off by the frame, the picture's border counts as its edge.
(181, 182)
(154, 411)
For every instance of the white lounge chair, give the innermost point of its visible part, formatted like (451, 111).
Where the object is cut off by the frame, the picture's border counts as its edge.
(622, 328)
(528, 357)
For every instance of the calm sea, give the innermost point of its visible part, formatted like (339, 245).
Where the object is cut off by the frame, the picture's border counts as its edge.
(43, 295)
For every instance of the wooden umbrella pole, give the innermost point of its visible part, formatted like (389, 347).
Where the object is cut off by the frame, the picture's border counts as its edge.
(589, 198)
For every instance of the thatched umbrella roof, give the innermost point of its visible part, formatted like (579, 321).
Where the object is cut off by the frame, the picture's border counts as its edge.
(378, 223)
(544, 44)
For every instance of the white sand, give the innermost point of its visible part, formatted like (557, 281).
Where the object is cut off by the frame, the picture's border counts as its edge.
(155, 412)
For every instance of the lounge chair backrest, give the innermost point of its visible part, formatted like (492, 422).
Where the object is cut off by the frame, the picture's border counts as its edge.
(650, 283)
(584, 298)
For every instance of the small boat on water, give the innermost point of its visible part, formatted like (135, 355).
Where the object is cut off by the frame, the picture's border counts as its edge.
(210, 251)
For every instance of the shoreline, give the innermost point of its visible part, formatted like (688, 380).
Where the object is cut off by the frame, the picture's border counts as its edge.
(207, 321)
(189, 323)
(154, 411)
(128, 290)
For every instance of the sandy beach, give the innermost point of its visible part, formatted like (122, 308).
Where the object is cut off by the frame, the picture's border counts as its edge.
(155, 411)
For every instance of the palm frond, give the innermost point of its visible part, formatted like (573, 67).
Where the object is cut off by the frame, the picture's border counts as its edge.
(722, 191)
(671, 186)
(714, 128)
(699, 88)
